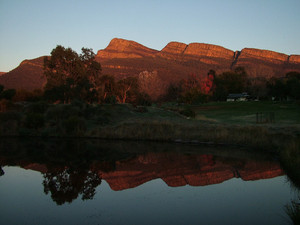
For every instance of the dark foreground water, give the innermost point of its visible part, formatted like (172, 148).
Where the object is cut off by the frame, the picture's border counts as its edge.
(96, 182)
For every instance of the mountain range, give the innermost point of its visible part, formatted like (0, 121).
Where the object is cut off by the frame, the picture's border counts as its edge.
(157, 69)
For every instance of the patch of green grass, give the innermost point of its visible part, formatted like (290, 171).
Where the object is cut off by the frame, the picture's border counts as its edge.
(245, 112)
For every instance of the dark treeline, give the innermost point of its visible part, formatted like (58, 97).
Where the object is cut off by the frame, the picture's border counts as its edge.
(214, 87)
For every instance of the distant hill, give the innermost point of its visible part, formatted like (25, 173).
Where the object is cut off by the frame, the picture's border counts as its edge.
(28, 75)
(157, 69)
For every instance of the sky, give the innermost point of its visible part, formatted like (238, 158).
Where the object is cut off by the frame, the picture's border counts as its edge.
(32, 28)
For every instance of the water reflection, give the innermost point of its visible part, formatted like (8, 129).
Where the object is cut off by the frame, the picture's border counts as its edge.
(76, 168)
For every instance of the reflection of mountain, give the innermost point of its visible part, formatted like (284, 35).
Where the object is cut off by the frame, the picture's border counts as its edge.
(178, 170)
(77, 170)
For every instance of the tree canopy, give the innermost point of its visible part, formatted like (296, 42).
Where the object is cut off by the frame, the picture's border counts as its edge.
(71, 75)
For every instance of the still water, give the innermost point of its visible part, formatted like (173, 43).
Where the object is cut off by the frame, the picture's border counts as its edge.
(97, 182)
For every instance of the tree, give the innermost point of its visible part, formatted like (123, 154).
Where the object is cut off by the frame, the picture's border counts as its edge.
(70, 75)
(293, 84)
(230, 82)
(127, 88)
(106, 88)
(258, 87)
(7, 94)
(277, 88)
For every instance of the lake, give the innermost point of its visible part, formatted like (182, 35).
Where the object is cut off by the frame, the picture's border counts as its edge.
(114, 182)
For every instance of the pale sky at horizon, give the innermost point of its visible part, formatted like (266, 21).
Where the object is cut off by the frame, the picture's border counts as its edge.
(32, 28)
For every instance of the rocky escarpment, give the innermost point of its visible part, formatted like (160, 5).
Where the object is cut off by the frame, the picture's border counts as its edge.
(199, 50)
(173, 50)
(264, 55)
(176, 61)
(294, 59)
(120, 48)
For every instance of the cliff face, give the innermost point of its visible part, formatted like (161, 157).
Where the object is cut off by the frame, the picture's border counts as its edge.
(198, 50)
(294, 59)
(264, 55)
(173, 50)
(176, 61)
(123, 49)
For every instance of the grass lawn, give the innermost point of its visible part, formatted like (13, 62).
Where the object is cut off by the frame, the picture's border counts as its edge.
(285, 113)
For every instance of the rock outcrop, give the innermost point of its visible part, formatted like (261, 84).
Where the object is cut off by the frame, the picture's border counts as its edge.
(263, 55)
(198, 50)
(124, 49)
(176, 61)
(173, 50)
(295, 59)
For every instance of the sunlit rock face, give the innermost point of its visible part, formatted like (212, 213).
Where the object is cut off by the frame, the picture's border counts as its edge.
(173, 49)
(120, 48)
(198, 50)
(176, 61)
(264, 55)
(295, 59)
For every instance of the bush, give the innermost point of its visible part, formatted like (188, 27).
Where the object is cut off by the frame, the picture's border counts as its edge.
(34, 120)
(6, 105)
(9, 123)
(143, 99)
(61, 112)
(188, 112)
(7, 116)
(110, 100)
(38, 107)
(79, 104)
(141, 109)
(8, 94)
(74, 126)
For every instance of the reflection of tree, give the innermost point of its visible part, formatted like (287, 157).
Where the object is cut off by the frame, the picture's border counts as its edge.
(1, 171)
(66, 184)
(293, 210)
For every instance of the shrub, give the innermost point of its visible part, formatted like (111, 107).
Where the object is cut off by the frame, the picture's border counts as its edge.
(6, 105)
(9, 123)
(74, 126)
(8, 94)
(37, 107)
(34, 120)
(111, 99)
(141, 109)
(61, 112)
(79, 104)
(143, 99)
(7, 116)
(188, 112)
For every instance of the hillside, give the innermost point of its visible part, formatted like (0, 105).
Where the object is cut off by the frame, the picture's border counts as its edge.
(157, 69)
(28, 75)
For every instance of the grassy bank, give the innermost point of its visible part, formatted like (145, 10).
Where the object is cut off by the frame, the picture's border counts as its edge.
(218, 123)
